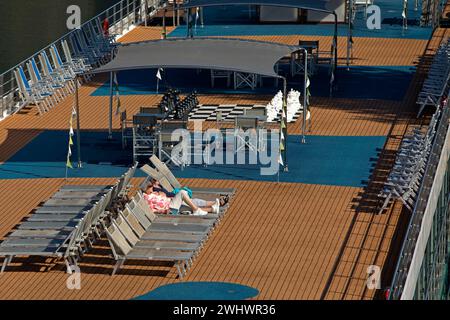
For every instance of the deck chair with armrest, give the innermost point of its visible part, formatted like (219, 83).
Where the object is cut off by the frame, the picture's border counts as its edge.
(123, 251)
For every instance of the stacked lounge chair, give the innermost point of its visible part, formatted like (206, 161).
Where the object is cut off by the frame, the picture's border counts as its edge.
(405, 178)
(436, 84)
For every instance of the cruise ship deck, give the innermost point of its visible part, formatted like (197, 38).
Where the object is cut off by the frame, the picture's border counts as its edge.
(312, 235)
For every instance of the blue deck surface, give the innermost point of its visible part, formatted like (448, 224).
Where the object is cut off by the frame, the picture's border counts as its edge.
(240, 21)
(387, 83)
(328, 160)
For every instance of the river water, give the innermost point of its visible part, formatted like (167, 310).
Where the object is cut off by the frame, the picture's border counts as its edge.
(26, 26)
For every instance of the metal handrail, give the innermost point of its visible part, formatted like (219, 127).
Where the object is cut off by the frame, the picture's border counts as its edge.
(121, 16)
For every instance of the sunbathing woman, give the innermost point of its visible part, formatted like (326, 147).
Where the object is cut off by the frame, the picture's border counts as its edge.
(163, 202)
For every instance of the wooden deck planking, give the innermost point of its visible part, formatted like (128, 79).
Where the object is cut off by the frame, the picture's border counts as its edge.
(252, 245)
(142, 33)
(266, 249)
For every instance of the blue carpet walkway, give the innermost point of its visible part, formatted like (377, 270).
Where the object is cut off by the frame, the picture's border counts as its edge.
(327, 160)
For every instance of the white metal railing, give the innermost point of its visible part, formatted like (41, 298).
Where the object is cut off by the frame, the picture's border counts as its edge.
(121, 16)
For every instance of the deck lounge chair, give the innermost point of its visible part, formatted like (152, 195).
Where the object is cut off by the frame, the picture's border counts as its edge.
(60, 75)
(164, 175)
(47, 83)
(31, 94)
(152, 224)
(141, 226)
(123, 251)
(134, 238)
(56, 235)
(141, 232)
(140, 204)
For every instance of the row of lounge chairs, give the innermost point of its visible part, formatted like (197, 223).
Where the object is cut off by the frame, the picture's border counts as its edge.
(50, 81)
(138, 233)
(133, 230)
(436, 84)
(405, 178)
(146, 235)
(67, 224)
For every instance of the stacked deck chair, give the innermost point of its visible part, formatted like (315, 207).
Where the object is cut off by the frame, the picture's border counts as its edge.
(138, 234)
(66, 225)
(404, 180)
(436, 84)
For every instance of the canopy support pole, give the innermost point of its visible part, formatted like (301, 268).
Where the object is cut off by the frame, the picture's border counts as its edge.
(284, 131)
(111, 76)
(305, 96)
(77, 110)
